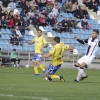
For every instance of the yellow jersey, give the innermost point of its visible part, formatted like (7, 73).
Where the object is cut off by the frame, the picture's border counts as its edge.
(57, 52)
(39, 42)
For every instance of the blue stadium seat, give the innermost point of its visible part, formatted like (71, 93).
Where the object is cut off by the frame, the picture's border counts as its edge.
(25, 44)
(78, 31)
(6, 42)
(1, 42)
(62, 40)
(26, 37)
(54, 34)
(31, 48)
(70, 15)
(78, 19)
(8, 31)
(4, 47)
(0, 46)
(99, 8)
(95, 22)
(71, 41)
(86, 31)
(72, 36)
(81, 31)
(7, 37)
(59, 5)
(49, 29)
(65, 15)
(30, 38)
(59, 19)
(27, 32)
(90, 21)
(58, 34)
(73, 30)
(15, 47)
(90, 31)
(3, 30)
(25, 48)
(19, 48)
(66, 41)
(63, 35)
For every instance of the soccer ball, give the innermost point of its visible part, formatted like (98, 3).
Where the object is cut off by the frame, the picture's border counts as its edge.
(27, 66)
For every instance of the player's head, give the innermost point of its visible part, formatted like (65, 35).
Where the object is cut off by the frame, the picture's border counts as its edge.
(39, 32)
(56, 39)
(14, 50)
(0, 49)
(95, 33)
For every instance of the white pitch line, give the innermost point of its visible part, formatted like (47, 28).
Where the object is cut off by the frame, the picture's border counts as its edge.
(26, 97)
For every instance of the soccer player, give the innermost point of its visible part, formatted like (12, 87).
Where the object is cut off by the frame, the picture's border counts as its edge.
(93, 44)
(56, 52)
(40, 43)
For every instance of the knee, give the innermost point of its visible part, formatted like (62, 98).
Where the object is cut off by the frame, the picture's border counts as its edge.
(83, 65)
(18, 59)
(77, 65)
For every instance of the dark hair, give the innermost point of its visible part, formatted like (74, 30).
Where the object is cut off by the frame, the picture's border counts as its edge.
(39, 30)
(57, 39)
(0, 48)
(97, 31)
(12, 34)
(14, 49)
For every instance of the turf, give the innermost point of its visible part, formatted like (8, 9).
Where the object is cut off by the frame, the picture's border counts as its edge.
(20, 84)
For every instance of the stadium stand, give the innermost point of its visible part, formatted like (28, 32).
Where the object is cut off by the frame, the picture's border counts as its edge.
(55, 18)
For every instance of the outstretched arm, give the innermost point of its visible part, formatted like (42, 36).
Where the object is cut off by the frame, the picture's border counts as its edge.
(99, 44)
(71, 47)
(46, 55)
(30, 43)
(81, 41)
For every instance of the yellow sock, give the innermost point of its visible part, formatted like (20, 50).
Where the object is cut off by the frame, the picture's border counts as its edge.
(42, 67)
(55, 76)
(36, 70)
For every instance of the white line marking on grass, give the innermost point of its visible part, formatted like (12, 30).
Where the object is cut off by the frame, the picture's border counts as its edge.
(26, 97)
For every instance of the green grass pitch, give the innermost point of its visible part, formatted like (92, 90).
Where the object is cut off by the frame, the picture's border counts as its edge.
(20, 84)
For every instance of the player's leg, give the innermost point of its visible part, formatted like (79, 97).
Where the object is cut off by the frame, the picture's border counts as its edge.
(87, 61)
(35, 68)
(14, 60)
(39, 60)
(18, 62)
(81, 72)
(50, 73)
(80, 65)
(35, 65)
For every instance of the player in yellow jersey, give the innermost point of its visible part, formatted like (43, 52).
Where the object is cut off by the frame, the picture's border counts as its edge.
(40, 43)
(56, 52)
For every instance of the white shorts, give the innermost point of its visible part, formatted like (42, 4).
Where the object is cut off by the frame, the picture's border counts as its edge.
(86, 59)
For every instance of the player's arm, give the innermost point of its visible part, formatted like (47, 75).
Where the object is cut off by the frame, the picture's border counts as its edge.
(45, 44)
(31, 42)
(99, 44)
(81, 41)
(49, 53)
(46, 55)
(71, 47)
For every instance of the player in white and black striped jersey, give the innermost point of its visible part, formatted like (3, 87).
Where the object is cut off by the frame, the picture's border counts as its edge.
(93, 44)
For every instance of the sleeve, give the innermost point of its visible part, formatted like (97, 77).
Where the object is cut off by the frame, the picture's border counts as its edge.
(83, 41)
(33, 40)
(66, 47)
(52, 50)
(99, 44)
(44, 41)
